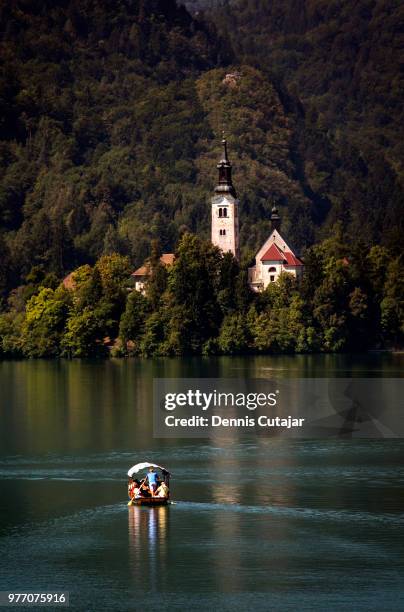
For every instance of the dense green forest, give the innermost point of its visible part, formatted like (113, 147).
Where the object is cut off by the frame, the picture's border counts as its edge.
(110, 119)
(202, 305)
(338, 68)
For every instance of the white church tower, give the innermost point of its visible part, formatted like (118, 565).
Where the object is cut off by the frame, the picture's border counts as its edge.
(225, 233)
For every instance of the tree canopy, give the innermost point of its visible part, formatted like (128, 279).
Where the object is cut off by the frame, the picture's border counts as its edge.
(111, 115)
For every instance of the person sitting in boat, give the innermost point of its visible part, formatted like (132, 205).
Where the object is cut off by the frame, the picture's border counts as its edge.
(144, 489)
(131, 487)
(134, 490)
(153, 480)
(137, 489)
(162, 491)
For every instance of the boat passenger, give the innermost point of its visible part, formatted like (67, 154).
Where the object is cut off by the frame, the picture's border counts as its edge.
(144, 489)
(152, 480)
(162, 491)
(131, 487)
(137, 491)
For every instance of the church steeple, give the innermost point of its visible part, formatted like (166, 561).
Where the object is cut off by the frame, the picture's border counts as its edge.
(225, 184)
(225, 233)
(275, 219)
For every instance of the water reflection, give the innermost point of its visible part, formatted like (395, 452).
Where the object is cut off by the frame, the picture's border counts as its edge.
(70, 406)
(148, 536)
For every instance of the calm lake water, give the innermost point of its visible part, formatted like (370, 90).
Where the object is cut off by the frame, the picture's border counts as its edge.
(264, 524)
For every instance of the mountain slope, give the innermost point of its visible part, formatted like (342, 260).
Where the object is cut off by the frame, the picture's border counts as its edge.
(339, 64)
(99, 113)
(112, 134)
(111, 115)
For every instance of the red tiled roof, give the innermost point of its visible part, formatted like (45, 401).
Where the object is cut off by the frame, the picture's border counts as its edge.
(68, 281)
(292, 260)
(167, 259)
(142, 271)
(273, 254)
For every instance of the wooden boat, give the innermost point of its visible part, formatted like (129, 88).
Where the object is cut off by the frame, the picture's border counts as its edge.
(149, 500)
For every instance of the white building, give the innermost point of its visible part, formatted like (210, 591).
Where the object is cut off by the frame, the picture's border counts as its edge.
(142, 274)
(274, 257)
(225, 232)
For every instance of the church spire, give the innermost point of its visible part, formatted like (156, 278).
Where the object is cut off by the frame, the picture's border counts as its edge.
(225, 184)
(275, 219)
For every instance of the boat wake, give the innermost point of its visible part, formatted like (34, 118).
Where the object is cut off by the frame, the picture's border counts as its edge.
(294, 512)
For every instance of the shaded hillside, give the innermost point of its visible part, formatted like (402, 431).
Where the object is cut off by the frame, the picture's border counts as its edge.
(261, 135)
(111, 135)
(111, 121)
(100, 118)
(339, 66)
(111, 114)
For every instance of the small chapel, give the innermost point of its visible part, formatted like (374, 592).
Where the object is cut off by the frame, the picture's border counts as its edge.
(274, 257)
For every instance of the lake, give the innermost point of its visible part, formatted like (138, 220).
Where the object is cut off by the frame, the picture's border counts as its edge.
(259, 523)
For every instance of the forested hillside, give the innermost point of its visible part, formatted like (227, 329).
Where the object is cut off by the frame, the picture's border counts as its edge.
(339, 66)
(100, 128)
(202, 5)
(111, 115)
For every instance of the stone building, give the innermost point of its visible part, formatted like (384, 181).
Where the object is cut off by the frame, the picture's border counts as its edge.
(274, 257)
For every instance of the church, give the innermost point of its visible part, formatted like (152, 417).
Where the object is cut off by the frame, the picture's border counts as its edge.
(274, 257)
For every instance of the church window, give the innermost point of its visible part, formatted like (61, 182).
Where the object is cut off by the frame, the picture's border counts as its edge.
(224, 212)
(220, 212)
(272, 269)
(222, 232)
(272, 278)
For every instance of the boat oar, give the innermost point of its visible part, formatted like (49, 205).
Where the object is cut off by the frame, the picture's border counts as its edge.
(142, 486)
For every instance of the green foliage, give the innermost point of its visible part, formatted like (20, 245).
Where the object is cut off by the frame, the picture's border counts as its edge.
(392, 305)
(192, 285)
(153, 335)
(260, 136)
(338, 69)
(110, 117)
(103, 126)
(85, 333)
(233, 337)
(114, 271)
(10, 334)
(131, 326)
(157, 281)
(282, 323)
(343, 304)
(44, 321)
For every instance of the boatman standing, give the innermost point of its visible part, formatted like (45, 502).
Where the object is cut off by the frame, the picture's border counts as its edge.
(152, 479)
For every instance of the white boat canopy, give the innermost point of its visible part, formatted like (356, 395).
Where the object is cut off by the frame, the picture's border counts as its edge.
(142, 466)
